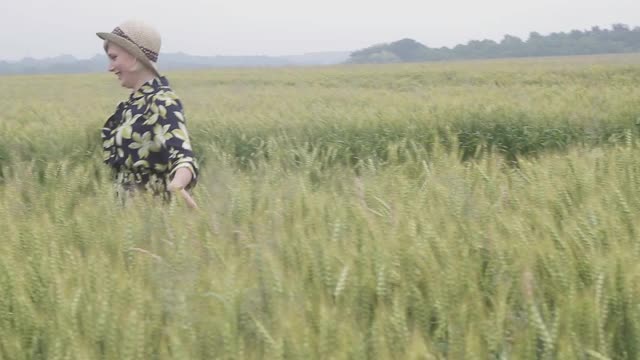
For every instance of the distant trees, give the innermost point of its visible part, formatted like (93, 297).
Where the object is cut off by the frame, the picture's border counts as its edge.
(405, 50)
(619, 39)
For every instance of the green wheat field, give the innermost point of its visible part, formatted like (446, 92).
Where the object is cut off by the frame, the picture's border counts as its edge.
(465, 210)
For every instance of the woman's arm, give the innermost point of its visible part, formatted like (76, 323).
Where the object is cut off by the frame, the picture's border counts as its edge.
(181, 179)
(170, 133)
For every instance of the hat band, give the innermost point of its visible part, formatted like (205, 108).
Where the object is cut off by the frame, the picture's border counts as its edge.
(150, 54)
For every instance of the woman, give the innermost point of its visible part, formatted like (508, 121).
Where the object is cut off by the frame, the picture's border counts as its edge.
(146, 142)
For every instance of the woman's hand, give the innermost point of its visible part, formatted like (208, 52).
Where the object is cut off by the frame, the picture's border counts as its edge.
(181, 179)
(188, 199)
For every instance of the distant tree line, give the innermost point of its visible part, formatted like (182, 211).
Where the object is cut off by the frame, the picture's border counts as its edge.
(619, 39)
(169, 61)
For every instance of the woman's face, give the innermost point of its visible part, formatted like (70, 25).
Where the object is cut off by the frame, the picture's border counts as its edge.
(124, 65)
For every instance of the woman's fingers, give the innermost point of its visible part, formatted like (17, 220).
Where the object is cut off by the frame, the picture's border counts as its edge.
(189, 200)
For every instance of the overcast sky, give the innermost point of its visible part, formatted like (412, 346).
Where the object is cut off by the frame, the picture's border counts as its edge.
(43, 28)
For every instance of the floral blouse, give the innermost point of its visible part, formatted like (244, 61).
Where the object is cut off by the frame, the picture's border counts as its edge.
(146, 140)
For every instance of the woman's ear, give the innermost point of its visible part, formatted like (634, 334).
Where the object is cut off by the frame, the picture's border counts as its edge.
(136, 65)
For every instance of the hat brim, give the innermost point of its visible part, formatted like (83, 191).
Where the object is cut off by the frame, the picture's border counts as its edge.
(129, 47)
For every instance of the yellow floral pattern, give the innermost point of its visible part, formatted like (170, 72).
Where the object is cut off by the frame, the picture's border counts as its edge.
(146, 140)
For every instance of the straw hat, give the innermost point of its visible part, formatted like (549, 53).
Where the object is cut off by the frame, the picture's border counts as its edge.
(138, 39)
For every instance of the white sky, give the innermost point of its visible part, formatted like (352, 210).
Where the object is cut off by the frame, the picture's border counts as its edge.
(42, 28)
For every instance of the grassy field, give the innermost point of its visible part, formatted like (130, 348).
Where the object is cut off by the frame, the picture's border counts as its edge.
(472, 210)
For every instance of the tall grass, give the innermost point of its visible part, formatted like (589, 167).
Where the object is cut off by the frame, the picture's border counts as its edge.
(518, 108)
(339, 234)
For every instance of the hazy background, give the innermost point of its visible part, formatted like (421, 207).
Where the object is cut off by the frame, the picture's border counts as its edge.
(39, 28)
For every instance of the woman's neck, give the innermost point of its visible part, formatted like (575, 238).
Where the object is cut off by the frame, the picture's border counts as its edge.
(143, 79)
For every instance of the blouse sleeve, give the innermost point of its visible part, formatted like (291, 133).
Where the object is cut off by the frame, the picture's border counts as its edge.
(170, 132)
